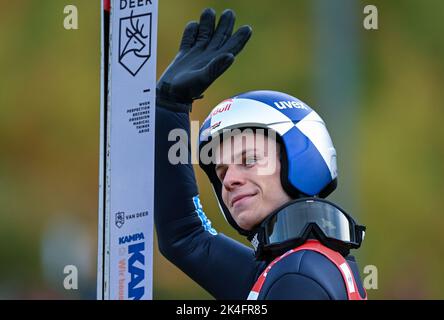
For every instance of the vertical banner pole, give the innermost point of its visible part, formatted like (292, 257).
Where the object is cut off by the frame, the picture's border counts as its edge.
(126, 169)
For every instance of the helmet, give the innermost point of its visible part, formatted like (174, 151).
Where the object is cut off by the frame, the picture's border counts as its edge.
(308, 158)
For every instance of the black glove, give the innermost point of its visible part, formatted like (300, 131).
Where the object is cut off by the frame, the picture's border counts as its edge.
(204, 54)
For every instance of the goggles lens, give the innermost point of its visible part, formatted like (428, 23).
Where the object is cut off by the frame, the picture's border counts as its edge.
(291, 222)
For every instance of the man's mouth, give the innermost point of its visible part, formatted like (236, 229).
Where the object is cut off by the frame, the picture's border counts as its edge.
(241, 197)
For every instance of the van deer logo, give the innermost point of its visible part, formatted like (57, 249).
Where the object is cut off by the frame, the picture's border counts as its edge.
(135, 42)
(120, 219)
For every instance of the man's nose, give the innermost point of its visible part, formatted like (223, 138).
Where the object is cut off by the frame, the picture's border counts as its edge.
(233, 177)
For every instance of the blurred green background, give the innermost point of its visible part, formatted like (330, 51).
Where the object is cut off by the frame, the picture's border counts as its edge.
(380, 93)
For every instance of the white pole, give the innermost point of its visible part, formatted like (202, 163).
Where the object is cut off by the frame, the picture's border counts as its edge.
(126, 179)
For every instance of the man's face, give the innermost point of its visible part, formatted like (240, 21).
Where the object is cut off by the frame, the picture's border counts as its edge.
(249, 169)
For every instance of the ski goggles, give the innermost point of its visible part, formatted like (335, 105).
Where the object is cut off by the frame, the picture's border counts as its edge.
(299, 220)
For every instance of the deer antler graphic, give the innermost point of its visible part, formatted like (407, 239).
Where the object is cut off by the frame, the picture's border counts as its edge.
(136, 30)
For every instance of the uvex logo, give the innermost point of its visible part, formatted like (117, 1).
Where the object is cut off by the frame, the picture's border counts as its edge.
(290, 105)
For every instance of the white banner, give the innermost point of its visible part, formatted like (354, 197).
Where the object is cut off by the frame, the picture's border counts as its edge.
(126, 180)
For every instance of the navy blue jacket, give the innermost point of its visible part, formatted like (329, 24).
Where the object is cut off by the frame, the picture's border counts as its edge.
(224, 267)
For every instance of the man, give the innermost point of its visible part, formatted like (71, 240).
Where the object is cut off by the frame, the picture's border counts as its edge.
(262, 172)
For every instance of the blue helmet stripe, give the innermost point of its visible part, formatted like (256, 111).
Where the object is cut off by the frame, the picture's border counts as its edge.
(303, 158)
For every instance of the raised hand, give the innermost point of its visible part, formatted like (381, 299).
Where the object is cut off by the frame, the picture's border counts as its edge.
(205, 53)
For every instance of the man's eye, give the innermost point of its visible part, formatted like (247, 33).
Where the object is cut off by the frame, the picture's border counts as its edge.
(250, 160)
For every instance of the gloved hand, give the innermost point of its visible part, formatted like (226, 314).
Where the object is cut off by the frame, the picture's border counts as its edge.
(204, 54)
